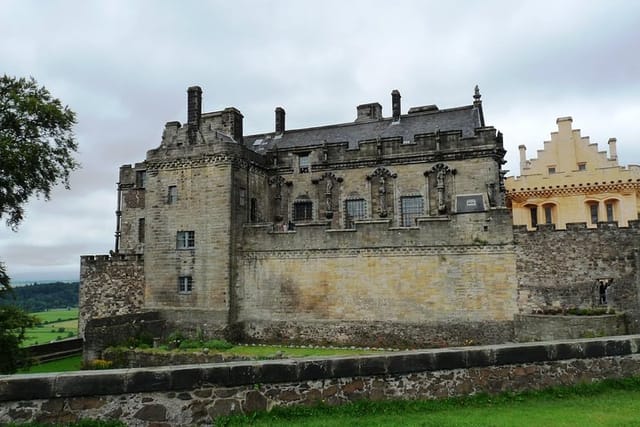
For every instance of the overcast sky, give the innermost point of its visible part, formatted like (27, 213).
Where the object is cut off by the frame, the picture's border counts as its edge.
(124, 67)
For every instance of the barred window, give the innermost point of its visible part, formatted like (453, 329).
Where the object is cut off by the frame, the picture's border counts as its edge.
(303, 210)
(411, 208)
(186, 240)
(354, 210)
(185, 284)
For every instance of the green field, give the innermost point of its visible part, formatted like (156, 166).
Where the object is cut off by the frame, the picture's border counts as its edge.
(73, 363)
(55, 325)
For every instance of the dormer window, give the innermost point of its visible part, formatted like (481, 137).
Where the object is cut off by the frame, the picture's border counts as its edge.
(304, 163)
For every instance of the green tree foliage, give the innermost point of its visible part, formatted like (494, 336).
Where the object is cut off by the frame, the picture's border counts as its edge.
(46, 296)
(36, 145)
(36, 153)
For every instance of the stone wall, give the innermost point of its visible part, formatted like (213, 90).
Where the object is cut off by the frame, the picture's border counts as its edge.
(109, 286)
(197, 394)
(536, 327)
(559, 268)
(445, 282)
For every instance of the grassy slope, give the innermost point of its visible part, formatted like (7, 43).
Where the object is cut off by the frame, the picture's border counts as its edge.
(54, 320)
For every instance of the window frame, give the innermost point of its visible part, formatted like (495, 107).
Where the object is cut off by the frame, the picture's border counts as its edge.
(408, 214)
(185, 284)
(172, 194)
(308, 209)
(593, 212)
(185, 240)
(360, 213)
(304, 163)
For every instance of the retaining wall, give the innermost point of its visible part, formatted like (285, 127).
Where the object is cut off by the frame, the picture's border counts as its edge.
(197, 394)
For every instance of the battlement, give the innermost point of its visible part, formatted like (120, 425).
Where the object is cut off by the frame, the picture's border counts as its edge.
(113, 257)
(579, 227)
(478, 229)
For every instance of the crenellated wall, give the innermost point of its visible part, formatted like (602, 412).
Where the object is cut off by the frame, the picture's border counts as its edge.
(110, 286)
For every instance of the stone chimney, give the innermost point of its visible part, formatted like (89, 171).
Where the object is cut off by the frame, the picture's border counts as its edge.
(194, 111)
(280, 120)
(368, 112)
(395, 104)
(523, 158)
(613, 151)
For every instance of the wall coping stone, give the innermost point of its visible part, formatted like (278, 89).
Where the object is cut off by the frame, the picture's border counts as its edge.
(231, 374)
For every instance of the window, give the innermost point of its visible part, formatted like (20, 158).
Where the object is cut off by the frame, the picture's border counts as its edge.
(172, 195)
(253, 210)
(411, 208)
(304, 163)
(243, 197)
(548, 214)
(534, 216)
(186, 240)
(552, 170)
(354, 210)
(141, 179)
(593, 212)
(141, 230)
(582, 166)
(185, 284)
(303, 210)
(609, 208)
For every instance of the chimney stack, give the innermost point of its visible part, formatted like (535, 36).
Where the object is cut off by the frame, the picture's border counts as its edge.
(395, 104)
(280, 120)
(194, 111)
(523, 158)
(613, 151)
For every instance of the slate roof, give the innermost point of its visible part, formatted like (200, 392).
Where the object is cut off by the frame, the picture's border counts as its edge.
(464, 119)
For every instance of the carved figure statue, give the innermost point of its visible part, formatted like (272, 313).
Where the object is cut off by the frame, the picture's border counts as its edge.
(383, 199)
(440, 175)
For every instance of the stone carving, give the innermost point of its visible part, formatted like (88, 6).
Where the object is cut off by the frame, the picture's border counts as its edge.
(382, 175)
(441, 171)
(329, 182)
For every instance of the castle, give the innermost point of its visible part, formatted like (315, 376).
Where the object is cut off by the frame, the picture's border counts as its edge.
(380, 231)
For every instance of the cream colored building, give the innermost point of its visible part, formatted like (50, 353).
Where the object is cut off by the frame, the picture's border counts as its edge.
(571, 181)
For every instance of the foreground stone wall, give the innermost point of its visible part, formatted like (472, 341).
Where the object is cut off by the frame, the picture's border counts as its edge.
(197, 394)
(110, 286)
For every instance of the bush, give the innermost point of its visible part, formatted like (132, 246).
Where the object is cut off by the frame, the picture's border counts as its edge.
(98, 364)
(217, 344)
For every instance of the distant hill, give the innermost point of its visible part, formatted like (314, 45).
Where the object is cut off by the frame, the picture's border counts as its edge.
(44, 296)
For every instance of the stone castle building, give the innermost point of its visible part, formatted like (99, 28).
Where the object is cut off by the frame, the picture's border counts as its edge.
(571, 181)
(380, 231)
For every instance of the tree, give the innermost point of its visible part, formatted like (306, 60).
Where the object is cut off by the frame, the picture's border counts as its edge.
(36, 154)
(36, 145)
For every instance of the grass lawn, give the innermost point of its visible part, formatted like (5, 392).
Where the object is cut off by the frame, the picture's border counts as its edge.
(72, 363)
(265, 352)
(55, 325)
(611, 403)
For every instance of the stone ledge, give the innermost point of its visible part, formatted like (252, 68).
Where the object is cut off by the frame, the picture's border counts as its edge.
(231, 374)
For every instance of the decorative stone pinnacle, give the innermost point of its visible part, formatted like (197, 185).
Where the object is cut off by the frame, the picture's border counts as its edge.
(476, 94)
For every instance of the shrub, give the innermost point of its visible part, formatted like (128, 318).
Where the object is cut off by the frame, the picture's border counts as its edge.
(217, 344)
(98, 364)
